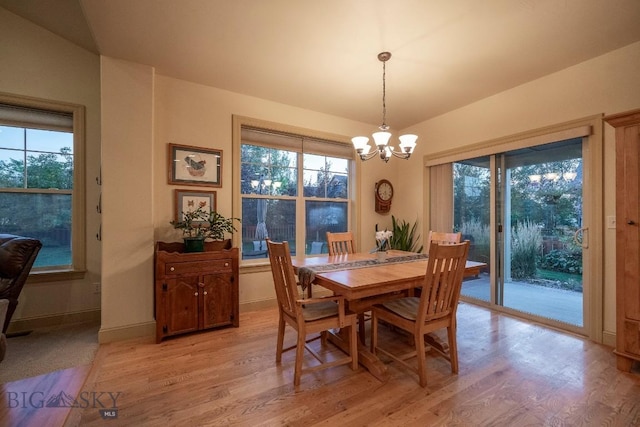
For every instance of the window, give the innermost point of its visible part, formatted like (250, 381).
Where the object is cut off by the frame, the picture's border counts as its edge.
(293, 187)
(41, 184)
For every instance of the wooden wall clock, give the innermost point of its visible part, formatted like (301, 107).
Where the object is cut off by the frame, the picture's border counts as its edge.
(384, 195)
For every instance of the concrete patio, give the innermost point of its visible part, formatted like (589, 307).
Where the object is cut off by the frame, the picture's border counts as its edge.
(559, 304)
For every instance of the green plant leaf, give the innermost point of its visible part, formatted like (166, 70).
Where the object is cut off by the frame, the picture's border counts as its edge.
(404, 236)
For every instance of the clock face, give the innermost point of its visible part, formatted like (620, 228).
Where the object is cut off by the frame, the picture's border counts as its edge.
(385, 190)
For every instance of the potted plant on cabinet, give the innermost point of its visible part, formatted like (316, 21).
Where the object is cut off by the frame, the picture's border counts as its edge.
(198, 225)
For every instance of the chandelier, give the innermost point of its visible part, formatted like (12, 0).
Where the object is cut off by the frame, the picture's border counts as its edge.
(381, 139)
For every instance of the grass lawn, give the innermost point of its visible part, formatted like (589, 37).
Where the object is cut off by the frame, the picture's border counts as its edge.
(53, 255)
(563, 280)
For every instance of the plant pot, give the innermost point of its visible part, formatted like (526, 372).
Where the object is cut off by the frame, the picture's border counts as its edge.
(217, 245)
(194, 244)
(382, 256)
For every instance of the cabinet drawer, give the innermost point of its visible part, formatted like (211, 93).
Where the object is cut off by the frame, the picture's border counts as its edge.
(195, 267)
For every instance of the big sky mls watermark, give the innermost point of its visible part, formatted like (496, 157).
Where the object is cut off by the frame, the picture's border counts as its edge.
(106, 402)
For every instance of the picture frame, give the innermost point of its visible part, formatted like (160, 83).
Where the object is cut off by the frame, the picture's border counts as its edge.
(189, 165)
(189, 200)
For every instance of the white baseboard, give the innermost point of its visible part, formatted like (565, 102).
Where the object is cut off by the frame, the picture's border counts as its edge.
(21, 325)
(147, 329)
(609, 338)
(258, 305)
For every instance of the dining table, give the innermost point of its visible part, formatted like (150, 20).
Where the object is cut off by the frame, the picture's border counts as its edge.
(365, 279)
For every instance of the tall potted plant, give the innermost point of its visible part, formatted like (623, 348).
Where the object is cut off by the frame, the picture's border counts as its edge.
(404, 236)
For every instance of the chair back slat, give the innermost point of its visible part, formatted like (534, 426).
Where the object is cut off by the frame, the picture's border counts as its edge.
(443, 238)
(340, 243)
(443, 280)
(284, 278)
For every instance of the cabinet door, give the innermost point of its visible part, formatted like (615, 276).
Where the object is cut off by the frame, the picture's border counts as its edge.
(630, 227)
(628, 236)
(217, 300)
(181, 305)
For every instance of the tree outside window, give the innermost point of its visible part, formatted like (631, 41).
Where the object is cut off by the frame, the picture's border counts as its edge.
(36, 190)
(277, 183)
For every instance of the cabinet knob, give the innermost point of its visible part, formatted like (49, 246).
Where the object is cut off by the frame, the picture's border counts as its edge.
(205, 292)
(226, 264)
(172, 269)
(196, 294)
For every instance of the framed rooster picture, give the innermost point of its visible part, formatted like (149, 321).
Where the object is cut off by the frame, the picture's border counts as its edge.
(190, 165)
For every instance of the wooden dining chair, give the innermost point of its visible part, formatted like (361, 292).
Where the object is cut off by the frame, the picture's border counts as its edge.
(340, 243)
(443, 238)
(434, 309)
(307, 316)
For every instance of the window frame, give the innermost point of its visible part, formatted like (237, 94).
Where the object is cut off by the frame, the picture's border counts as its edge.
(239, 122)
(78, 197)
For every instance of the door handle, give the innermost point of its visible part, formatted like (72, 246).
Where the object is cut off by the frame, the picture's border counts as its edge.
(631, 222)
(580, 238)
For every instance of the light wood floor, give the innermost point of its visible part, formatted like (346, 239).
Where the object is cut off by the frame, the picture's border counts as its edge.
(512, 373)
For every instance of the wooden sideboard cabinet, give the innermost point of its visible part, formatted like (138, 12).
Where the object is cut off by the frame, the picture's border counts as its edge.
(627, 127)
(196, 290)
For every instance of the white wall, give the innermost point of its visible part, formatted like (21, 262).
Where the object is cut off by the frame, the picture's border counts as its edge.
(127, 199)
(36, 63)
(607, 84)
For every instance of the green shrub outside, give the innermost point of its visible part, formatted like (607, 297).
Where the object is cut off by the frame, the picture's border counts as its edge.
(479, 234)
(525, 249)
(562, 260)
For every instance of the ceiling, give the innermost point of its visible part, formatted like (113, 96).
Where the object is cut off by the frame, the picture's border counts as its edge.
(322, 55)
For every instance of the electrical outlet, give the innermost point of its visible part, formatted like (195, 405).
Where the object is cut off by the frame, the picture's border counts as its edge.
(611, 221)
(97, 288)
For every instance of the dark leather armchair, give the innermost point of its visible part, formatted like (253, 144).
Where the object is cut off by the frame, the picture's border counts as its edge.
(4, 305)
(17, 255)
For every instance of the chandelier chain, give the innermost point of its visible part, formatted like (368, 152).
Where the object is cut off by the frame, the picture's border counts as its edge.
(384, 126)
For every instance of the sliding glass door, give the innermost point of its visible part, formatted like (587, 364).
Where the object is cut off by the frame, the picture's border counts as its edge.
(472, 216)
(522, 210)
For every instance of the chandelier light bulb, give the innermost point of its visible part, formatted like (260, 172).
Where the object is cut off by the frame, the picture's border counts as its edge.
(381, 139)
(408, 142)
(360, 142)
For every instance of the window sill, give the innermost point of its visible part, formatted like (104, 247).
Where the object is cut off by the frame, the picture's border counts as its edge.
(55, 276)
